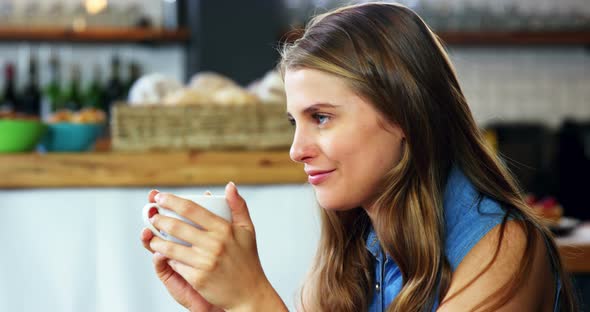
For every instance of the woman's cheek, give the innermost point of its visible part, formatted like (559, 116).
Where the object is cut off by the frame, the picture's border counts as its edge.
(341, 140)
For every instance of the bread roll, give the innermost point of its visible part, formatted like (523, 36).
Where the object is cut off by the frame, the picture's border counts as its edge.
(234, 96)
(89, 115)
(152, 89)
(63, 115)
(188, 97)
(270, 89)
(211, 82)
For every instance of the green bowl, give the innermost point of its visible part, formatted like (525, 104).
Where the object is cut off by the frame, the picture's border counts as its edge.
(19, 136)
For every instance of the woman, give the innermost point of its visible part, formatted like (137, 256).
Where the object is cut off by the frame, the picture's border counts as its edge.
(418, 214)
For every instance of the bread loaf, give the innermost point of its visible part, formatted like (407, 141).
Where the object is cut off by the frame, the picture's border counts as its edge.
(152, 89)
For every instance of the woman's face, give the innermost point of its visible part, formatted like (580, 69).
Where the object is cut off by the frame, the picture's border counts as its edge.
(344, 143)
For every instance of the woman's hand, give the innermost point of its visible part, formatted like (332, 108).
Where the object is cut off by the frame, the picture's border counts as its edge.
(177, 286)
(222, 264)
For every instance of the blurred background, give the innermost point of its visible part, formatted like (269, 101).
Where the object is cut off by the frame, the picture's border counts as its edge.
(102, 100)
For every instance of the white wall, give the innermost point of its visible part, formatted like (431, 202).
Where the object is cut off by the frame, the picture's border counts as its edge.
(79, 250)
(538, 84)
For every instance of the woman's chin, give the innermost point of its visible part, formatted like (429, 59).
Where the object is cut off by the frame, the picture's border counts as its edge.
(334, 204)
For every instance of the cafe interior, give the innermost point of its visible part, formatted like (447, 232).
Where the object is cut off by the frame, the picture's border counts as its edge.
(102, 101)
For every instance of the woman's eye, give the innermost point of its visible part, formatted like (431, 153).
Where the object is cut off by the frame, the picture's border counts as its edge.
(291, 121)
(320, 118)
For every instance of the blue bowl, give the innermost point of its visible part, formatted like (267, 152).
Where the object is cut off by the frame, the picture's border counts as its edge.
(71, 137)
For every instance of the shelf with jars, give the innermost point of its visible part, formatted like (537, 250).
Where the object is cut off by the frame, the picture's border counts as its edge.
(94, 35)
(505, 38)
(499, 37)
(92, 21)
(480, 22)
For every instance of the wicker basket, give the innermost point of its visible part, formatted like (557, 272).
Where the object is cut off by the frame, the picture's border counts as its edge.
(205, 127)
(275, 129)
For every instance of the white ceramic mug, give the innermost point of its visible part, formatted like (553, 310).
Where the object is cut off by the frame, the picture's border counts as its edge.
(216, 204)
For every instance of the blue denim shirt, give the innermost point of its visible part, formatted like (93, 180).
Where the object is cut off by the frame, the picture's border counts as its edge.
(465, 227)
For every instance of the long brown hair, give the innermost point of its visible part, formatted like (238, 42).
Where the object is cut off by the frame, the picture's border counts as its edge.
(390, 57)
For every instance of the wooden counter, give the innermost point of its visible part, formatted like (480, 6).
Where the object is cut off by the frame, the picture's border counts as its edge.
(575, 249)
(110, 169)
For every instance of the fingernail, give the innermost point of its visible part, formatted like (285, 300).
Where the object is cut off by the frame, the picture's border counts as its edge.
(159, 198)
(233, 185)
(152, 218)
(152, 212)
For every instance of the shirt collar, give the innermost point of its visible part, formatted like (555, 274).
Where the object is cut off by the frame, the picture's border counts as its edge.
(372, 243)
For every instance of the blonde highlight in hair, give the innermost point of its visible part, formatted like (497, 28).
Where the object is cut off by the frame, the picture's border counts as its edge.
(388, 56)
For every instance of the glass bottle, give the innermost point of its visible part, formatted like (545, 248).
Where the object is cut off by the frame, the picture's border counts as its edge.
(95, 94)
(53, 97)
(31, 96)
(134, 74)
(114, 89)
(73, 95)
(9, 99)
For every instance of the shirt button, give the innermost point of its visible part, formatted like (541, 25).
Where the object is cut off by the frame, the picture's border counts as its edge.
(377, 287)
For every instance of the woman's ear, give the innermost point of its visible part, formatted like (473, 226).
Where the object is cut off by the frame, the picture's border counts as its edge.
(392, 127)
(399, 131)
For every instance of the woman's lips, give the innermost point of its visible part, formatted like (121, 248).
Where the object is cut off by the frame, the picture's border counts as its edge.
(317, 177)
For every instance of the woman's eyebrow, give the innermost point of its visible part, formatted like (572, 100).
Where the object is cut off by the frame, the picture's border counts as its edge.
(318, 106)
(315, 107)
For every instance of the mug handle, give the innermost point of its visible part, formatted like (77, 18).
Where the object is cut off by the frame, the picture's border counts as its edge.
(146, 219)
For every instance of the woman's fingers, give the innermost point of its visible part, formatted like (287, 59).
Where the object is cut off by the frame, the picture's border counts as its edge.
(190, 256)
(151, 196)
(160, 262)
(239, 208)
(187, 272)
(203, 262)
(183, 231)
(202, 259)
(191, 211)
(146, 236)
(163, 270)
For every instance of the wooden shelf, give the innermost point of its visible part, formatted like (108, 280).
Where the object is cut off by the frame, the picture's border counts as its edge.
(110, 169)
(94, 35)
(105, 34)
(575, 249)
(516, 38)
(497, 38)
(575, 257)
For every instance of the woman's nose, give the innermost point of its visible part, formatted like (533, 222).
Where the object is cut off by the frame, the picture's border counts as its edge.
(302, 149)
